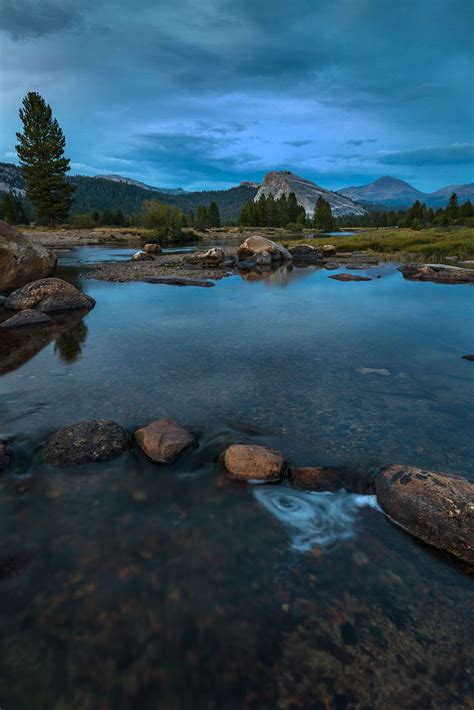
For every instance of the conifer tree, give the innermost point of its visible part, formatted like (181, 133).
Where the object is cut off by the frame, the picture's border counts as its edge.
(202, 218)
(40, 149)
(214, 218)
(452, 208)
(323, 218)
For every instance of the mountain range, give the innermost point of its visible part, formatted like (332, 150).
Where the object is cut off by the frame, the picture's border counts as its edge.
(117, 192)
(390, 192)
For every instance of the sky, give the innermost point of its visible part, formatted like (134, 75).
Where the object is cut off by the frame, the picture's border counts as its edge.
(205, 93)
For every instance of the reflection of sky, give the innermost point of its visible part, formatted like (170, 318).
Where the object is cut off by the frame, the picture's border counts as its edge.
(285, 360)
(209, 94)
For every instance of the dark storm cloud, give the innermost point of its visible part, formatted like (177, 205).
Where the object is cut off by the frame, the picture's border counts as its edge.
(269, 77)
(462, 153)
(33, 18)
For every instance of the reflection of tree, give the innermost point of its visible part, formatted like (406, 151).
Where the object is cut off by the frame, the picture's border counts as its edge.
(69, 344)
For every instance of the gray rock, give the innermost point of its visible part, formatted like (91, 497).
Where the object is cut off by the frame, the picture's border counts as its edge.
(256, 244)
(21, 260)
(85, 441)
(28, 317)
(142, 256)
(48, 295)
(438, 273)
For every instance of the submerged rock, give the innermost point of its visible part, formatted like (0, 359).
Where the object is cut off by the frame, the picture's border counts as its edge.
(163, 440)
(85, 441)
(21, 260)
(48, 295)
(468, 357)
(142, 256)
(152, 248)
(317, 478)
(4, 457)
(349, 277)
(438, 273)
(438, 508)
(28, 317)
(255, 245)
(245, 462)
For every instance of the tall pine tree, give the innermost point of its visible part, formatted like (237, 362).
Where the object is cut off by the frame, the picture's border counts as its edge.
(214, 218)
(41, 152)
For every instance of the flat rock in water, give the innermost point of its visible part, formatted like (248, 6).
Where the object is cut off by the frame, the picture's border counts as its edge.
(48, 295)
(438, 273)
(374, 371)
(21, 260)
(164, 440)
(4, 457)
(435, 507)
(178, 281)
(317, 478)
(85, 441)
(349, 277)
(28, 317)
(245, 462)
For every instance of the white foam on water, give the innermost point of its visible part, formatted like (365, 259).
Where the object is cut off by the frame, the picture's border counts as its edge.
(314, 519)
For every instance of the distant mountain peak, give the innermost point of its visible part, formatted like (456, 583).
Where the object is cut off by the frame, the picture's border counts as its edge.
(138, 183)
(283, 182)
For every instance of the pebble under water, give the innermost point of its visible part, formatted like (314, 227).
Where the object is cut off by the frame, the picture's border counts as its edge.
(128, 584)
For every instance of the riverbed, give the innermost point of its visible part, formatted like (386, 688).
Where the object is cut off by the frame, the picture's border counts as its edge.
(130, 584)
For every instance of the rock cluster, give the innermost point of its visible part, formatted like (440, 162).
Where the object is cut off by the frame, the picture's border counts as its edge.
(21, 260)
(438, 273)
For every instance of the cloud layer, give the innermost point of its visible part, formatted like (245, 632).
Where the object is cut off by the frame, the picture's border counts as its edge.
(208, 93)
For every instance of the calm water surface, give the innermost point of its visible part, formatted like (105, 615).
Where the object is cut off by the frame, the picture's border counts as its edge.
(131, 585)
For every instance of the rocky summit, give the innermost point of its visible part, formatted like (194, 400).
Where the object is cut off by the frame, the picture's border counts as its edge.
(278, 183)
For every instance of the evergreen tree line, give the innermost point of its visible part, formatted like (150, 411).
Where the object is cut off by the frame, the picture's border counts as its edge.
(418, 216)
(268, 212)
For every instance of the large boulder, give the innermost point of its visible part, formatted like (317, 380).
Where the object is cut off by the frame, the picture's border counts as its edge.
(255, 245)
(163, 440)
(24, 318)
(21, 260)
(153, 248)
(48, 295)
(85, 441)
(436, 507)
(253, 463)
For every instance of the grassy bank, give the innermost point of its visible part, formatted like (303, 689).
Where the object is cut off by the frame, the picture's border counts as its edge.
(433, 244)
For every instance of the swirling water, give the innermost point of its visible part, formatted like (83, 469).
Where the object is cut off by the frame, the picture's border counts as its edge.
(127, 584)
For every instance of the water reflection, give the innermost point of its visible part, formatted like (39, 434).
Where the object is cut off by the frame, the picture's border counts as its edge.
(314, 519)
(19, 345)
(69, 344)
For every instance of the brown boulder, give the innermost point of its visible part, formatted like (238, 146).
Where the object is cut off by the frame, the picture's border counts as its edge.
(253, 463)
(349, 277)
(328, 250)
(163, 440)
(85, 441)
(24, 318)
(153, 248)
(4, 457)
(21, 260)
(317, 478)
(435, 507)
(48, 295)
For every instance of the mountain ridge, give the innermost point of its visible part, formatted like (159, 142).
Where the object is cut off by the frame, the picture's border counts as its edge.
(388, 191)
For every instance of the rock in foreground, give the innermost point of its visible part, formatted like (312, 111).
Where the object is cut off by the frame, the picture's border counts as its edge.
(317, 478)
(435, 507)
(48, 295)
(21, 260)
(85, 441)
(24, 318)
(254, 463)
(164, 440)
